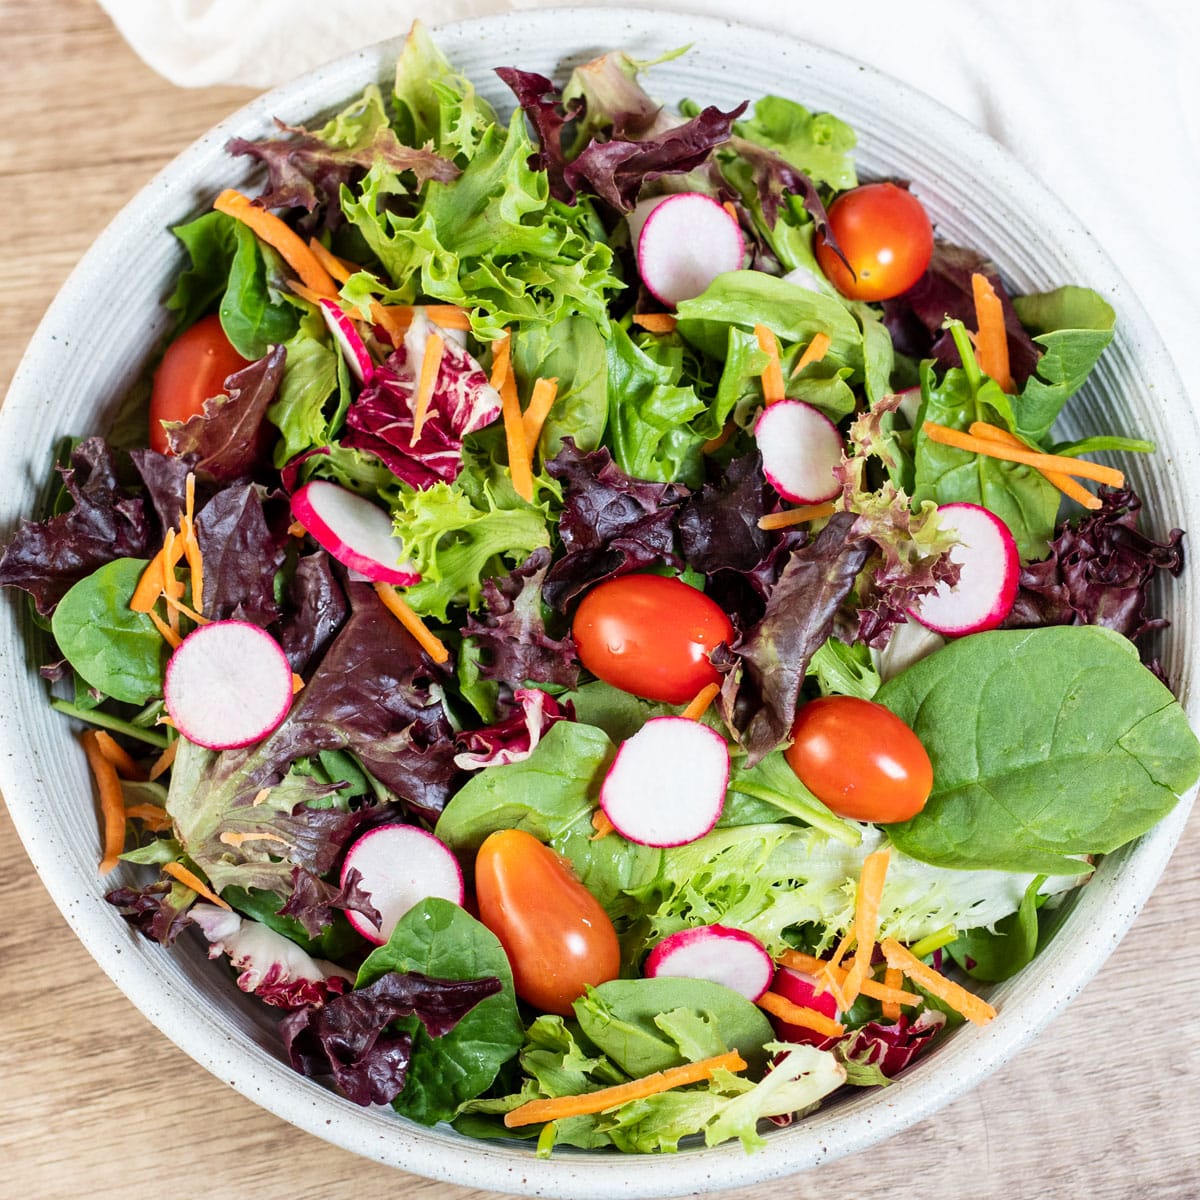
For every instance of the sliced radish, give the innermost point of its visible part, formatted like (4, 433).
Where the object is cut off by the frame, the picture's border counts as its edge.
(987, 585)
(228, 684)
(682, 243)
(800, 448)
(716, 953)
(400, 865)
(666, 787)
(349, 340)
(356, 532)
(802, 989)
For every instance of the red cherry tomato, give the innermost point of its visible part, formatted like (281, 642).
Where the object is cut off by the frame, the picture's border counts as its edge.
(557, 937)
(651, 635)
(860, 759)
(885, 232)
(193, 369)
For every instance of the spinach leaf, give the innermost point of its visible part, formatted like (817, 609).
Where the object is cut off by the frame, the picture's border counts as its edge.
(439, 939)
(1046, 744)
(116, 650)
(993, 955)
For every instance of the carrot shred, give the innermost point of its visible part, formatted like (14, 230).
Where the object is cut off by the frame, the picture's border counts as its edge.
(813, 352)
(338, 268)
(400, 610)
(431, 364)
(505, 382)
(887, 992)
(798, 1014)
(384, 317)
(297, 683)
(772, 376)
(149, 586)
(169, 635)
(991, 342)
(700, 702)
(866, 920)
(162, 764)
(727, 205)
(656, 322)
(186, 610)
(714, 444)
(1041, 462)
(535, 1111)
(192, 880)
(267, 226)
(975, 1009)
(448, 316)
(151, 816)
(797, 516)
(296, 530)
(892, 980)
(191, 546)
(602, 825)
(541, 401)
(112, 801)
(1064, 483)
(120, 758)
(308, 294)
(843, 947)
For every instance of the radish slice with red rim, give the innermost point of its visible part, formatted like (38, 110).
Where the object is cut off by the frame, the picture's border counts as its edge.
(228, 684)
(349, 340)
(718, 954)
(804, 990)
(800, 448)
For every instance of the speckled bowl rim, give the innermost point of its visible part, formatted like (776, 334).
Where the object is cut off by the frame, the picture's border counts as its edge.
(223, 1039)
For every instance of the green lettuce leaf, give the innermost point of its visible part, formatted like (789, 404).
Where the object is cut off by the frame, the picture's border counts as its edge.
(819, 144)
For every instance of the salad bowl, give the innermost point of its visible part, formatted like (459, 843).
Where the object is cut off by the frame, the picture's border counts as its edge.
(88, 353)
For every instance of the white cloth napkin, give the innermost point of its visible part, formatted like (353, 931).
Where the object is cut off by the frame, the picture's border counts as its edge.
(1098, 98)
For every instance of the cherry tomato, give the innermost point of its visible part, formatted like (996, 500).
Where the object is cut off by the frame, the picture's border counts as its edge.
(885, 233)
(557, 937)
(860, 760)
(651, 635)
(193, 369)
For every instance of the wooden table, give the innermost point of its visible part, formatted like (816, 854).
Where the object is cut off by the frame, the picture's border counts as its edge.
(97, 1103)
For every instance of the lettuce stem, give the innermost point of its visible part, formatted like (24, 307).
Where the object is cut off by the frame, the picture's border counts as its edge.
(105, 721)
(812, 812)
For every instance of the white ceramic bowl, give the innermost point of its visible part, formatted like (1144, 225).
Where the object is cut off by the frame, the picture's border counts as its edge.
(93, 343)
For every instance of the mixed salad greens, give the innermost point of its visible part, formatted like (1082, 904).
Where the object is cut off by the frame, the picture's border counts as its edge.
(480, 857)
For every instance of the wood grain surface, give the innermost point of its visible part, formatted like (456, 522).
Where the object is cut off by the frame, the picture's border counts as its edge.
(97, 1103)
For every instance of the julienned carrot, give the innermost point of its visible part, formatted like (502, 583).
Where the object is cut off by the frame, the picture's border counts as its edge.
(396, 606)
(1041, 462)
(892, 980)
(1064, 483)
(112, 801)
(192, 880)
(700, 702)
(191, 545)
(177, 606)
(813, 352)
(267, 226)
(536, 1111)
(866, 920)
(168, 635)
(656, 322)
(887, 992)
(541, 401)
(714, 444)
(843, 948)
(306, 293)
(153, 580)
(448, 316)
(972, 1007)
(118, 756)
(162, 764)
(338, 268)
(798, 1014)
(772, 376)
(602, 825)
(505, 382)
(797, 516)
(431, 364)
(991, 341)
(151, 816)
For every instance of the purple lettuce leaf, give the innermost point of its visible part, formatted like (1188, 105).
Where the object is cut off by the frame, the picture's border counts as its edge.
(241, 557)
(348, 1036)
(766, 666)
(165, 478)
(890, 1047)
(227, 438)
(543, 105)
(514, 738)
(105, 522)
(1098, 572)
(718, 526)
(511, 633)
(611, 523)
(151, 911)
(315, 609)
(313, 901)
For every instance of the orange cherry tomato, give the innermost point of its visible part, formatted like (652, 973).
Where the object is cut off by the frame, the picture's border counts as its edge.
(651, 635)
(860, 760)
(557, 937)
(193, 370)
(886, 234)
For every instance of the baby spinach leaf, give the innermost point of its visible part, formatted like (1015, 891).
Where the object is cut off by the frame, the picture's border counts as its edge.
(999, 953)
(1046, 744)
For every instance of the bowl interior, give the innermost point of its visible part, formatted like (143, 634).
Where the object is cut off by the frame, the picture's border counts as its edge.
(94, 343)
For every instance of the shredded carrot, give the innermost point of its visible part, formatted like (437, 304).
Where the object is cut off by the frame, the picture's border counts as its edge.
(888, 992)
(192, 880)
(866, 920)
(409, 619)
(448, 316)
(714, 444)
(151, 816)
(169, 635)
(797, 516)
(799, 1014)
(308, 294)
(153, 580)
(120, 758)
(162, 764)
(431, 364)
(541, 401)
(112, 800)
(602, 825)
(191, 547)
(656, 322)
(281, 237)
(727, 205)
(832, 978)
(384, 316)
(505, 382)
(186, 610)
(260, 797)
(1041, 462)
(296, 530)
(338, 268)
(813, 352)
(772, 376)
(1064, 483)
(843, 947)
(700, 702)
(558, 1108)
(892, 979)
(991, 342)
(297, 683)
(972, 1007)
(231, 838)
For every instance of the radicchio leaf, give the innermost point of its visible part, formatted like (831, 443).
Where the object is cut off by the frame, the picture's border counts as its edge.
(516, 737)
(313, 901)
(890, 1048)
(316, 608)
(47, 558)
(511, 633)
(348, 1037)
(241, 557)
